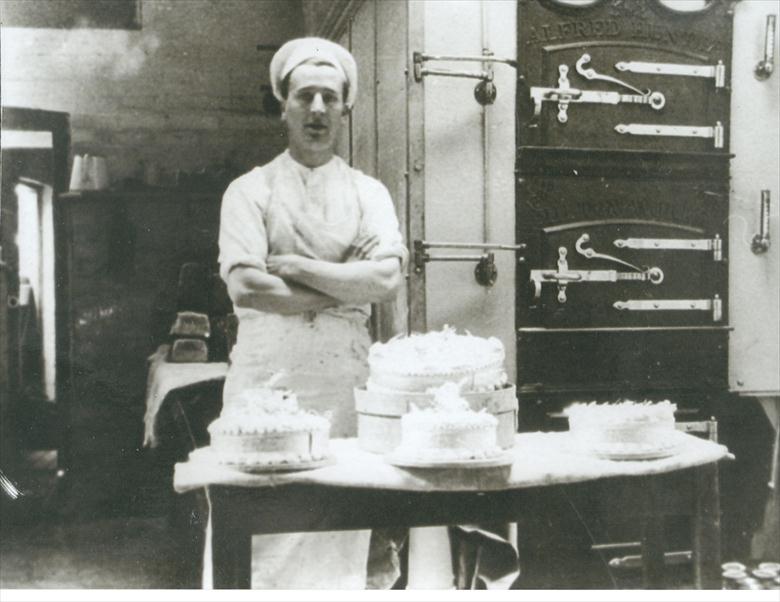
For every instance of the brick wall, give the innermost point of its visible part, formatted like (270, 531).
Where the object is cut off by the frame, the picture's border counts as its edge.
(184, 92)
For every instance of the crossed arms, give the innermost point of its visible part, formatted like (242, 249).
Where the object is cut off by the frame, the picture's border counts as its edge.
(294, 284)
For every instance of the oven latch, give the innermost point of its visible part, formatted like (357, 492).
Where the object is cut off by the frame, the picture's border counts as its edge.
(715, 305)
(485, 91)
(564, 94)
(564, 276)
(485, 272)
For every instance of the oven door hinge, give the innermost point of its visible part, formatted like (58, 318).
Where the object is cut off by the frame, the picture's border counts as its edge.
(715, 305)
(674, 244)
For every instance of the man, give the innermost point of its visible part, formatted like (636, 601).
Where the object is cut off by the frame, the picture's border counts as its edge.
(306, 245)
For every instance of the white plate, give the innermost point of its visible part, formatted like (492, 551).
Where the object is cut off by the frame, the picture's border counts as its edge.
(204, 454)
(634, 455)
(625, 452)
(504, 459)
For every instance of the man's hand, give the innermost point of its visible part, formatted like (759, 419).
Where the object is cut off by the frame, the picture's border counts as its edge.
(365, 281)
(252, 288)
(284, 266)
(361, 248)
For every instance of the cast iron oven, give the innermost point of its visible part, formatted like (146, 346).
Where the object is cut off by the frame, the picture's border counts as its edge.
(622, 200)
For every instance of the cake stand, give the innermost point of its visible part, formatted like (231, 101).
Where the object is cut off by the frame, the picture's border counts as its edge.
(626, 451)
(504, 459)
(206, 455)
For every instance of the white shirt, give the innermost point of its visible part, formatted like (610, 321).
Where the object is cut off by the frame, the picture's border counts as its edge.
(284, 207)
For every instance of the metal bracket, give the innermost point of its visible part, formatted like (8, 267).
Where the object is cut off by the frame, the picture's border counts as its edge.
(563, 271)
(715, 305)
(676, 244)
(761, 240)
(716, 72)
(484, 92)
(485, 271)
(688, 131)
(766, 66)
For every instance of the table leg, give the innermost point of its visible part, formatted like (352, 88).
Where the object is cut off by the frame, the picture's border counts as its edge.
(653, 541)
(231, 546)
(706, 528)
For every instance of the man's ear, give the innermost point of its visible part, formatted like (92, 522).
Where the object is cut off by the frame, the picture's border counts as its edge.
(346, 111)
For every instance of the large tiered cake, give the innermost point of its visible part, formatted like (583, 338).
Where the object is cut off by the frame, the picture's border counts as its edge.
(421, 361)
(404, 372)
(265, 427)
(448, 431)
(625, 429)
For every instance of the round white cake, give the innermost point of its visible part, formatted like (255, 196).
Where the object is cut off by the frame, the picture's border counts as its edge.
(265, 426)
(419, 362)
(448, 431)
(628, 427)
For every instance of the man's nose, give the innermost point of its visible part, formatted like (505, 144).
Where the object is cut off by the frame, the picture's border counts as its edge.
(317, 104)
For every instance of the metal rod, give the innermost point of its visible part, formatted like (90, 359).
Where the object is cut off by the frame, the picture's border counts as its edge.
(540, 330)
(485, 128)
(765, 213)
(635, 561)
(470, 74)
(454, 258)
(472, 245)
(478, 59)
(616, 545)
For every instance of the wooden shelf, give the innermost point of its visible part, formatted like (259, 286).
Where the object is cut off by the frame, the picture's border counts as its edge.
(150, 194)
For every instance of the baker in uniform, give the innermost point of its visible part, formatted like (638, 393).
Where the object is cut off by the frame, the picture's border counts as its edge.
(306, 244)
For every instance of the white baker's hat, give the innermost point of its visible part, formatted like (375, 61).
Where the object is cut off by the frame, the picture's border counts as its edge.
(297, 51)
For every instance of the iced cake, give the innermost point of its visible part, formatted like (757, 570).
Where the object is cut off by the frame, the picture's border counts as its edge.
(417, 362)
(627, 427)
(448, 431)
(265, 426)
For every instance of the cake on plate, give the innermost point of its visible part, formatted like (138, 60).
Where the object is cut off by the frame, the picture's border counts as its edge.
(448, 431)
(265, 427)
(627, 428)
(418, 362)
(404, 371)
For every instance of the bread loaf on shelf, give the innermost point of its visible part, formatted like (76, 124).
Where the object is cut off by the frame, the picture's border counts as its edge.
(191, 324)
(187, 350)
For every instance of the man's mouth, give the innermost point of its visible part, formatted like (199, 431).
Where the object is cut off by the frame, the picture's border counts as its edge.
(316, 127)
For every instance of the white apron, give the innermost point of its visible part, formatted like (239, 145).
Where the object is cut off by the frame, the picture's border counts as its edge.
(281, 208)
(323, 358)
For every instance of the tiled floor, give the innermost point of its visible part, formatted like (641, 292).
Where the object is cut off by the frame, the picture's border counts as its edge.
(46, 545)
(82, 532)
(127, 553)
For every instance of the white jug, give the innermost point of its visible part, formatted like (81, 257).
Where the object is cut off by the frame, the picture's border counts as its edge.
(89, 173)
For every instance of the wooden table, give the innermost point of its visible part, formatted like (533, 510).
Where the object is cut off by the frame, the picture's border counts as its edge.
(361, 490)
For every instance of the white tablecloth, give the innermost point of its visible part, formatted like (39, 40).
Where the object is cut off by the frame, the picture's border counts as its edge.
(538, 459)
(165, 376)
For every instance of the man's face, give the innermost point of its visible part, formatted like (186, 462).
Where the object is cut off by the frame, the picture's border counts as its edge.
(314, 110)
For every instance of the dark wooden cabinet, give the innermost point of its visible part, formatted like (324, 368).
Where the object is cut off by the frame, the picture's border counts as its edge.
(119, 258)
